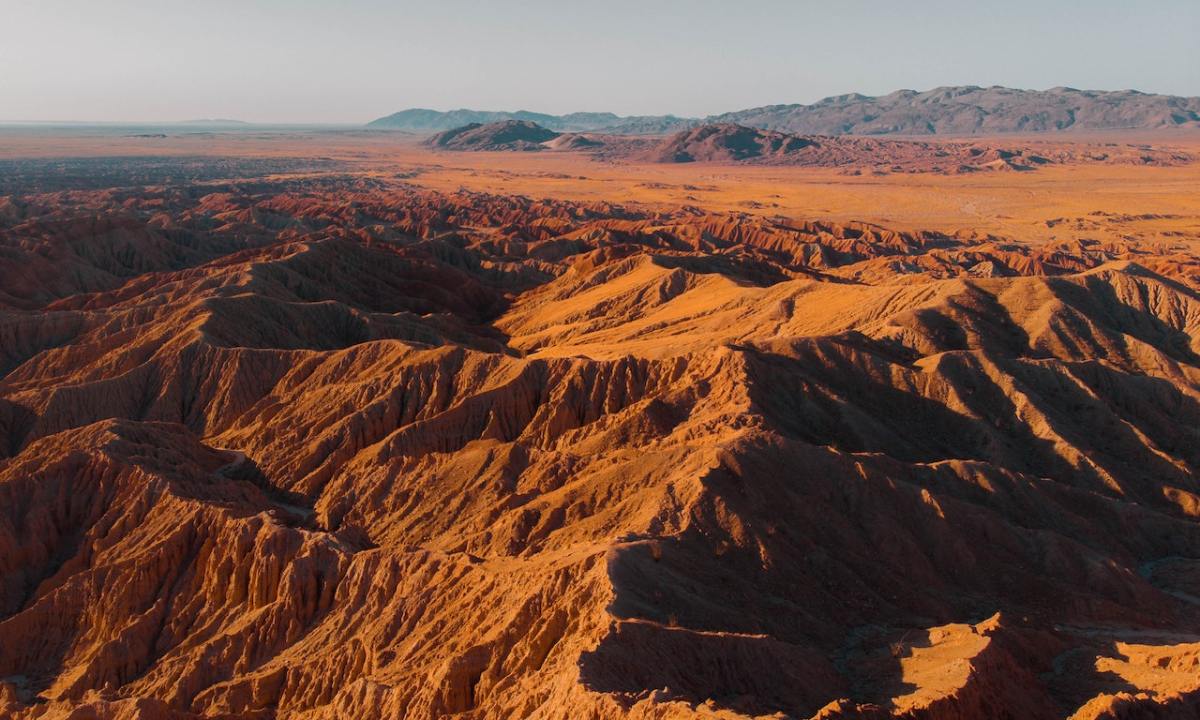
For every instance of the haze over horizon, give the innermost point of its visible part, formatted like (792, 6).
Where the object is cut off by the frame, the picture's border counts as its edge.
(308, 62)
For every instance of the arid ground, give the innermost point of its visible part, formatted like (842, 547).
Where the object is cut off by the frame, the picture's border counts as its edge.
(308, 424)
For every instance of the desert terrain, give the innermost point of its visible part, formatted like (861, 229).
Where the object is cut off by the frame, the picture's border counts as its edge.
(1056, 202)
(316, 423)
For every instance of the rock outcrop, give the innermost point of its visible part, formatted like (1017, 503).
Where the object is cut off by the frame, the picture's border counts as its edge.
(504, 135)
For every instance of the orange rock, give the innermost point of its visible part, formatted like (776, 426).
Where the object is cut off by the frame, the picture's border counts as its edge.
(353, 449)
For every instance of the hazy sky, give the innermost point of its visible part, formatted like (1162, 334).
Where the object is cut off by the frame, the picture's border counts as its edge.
(354, 60)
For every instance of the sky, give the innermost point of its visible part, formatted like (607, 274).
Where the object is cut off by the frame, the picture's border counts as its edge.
(350, 61)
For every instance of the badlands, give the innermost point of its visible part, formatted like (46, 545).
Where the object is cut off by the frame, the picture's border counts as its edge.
(309, 424)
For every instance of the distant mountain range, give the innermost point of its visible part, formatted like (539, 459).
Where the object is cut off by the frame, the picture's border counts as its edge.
(212, 122)
(420, 120)
(967, 110)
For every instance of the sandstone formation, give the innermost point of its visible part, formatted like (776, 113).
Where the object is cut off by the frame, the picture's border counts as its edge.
(324, 448)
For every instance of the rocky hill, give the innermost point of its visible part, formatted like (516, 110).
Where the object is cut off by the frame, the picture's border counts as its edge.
(725, 142)
(502, 135)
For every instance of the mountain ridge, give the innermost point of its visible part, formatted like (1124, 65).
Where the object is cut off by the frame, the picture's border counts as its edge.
(426, 120)
(946, 110)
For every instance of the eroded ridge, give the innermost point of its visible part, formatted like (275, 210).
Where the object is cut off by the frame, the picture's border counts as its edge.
(347, 448)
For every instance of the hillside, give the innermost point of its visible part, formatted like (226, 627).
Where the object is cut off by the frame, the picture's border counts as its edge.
(725, 143)
(502, 135)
